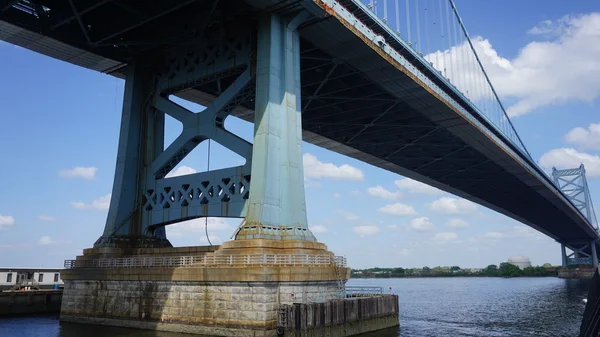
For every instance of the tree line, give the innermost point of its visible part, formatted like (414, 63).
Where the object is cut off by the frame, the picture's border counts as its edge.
(504, 270)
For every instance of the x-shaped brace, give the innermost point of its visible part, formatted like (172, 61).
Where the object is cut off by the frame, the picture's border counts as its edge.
(207, 124)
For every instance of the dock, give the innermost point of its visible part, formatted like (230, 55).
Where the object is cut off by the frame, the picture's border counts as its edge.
(19, 302)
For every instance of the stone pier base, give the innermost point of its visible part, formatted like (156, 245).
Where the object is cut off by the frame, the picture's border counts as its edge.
(210, 308)
(581, 272)
(232, 290)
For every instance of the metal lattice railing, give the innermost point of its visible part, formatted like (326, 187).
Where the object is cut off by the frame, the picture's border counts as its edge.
(363, 291)
(208, 261)
(435, 33)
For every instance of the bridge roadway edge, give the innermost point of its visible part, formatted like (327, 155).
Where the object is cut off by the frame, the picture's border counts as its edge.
(533, 174)
(214, 298)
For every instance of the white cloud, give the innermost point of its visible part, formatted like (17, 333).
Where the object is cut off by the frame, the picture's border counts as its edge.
(545, 72)
(565, 158)
(380, 192)
(215, 240)
(546, 27)
(88, 173)
(403, 251)
(181, 171)
(494, 235)
(318, 229)
(46, 218)
(417, 187)
(422, 224)
(398, 209)
(448, 205)
(457, 223)
(196, 227)
(515, 232)
(311, 183)
(444, 237)
(313, 168)
(366, 230)
(46, 240)
(6, 220)
(336, 195)
(355, 193)
(347, 215)
(100, 204)
(585, 138)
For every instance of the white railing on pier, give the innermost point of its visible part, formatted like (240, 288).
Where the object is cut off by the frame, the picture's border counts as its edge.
(362, 291)
(208, 261)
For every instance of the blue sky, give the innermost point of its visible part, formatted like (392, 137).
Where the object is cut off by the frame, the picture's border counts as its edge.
(60, 126)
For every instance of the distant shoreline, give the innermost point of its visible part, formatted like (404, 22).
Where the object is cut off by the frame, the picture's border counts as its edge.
(449, 276)
(503, 270)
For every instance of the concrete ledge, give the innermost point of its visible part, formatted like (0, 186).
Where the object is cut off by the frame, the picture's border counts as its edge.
(170, 327)
(207, 274)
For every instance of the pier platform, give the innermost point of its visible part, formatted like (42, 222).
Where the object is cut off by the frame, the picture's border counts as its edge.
(236, 289)
(20, 302)
(581, 272)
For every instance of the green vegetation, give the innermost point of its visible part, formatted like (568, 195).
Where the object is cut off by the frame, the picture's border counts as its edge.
(504, 270)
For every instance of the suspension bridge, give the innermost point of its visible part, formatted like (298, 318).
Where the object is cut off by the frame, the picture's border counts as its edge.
(396, 83)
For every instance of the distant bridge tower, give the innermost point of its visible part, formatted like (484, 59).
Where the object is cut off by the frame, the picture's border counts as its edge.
(573, 184)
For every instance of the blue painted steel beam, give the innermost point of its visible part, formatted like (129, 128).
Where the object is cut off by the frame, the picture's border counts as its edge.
(277, 206)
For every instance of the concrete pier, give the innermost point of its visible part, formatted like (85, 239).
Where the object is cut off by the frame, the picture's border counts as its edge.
(30, 302)
(236, 289)
(582, 271)
(346, 317)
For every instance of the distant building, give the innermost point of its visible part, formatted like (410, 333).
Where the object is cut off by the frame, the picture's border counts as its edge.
(43, 277)
(520, 261)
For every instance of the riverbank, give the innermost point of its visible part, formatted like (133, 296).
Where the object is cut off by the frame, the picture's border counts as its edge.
(504, 270)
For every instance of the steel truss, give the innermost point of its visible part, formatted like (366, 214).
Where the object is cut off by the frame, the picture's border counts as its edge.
(145, 199)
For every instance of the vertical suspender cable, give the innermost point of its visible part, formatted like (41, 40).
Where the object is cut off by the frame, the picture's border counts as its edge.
(418, 27)
(425, 14)
(408, 22)
(443, 39)
(385, 16)
(397, 18)
(457, 66)
(206, 218)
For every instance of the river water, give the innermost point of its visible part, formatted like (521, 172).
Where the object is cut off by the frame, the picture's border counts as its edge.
(456, 306)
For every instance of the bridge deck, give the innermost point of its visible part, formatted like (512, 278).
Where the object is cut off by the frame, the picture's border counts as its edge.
(358, 101)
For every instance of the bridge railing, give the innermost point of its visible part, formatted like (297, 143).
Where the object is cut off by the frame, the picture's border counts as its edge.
(204, 261)
(435, 33)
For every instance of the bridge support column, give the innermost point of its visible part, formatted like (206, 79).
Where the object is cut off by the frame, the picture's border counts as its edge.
(581, 263)
(594, 254)
(140, 141)
(274, 259)
(276, 205)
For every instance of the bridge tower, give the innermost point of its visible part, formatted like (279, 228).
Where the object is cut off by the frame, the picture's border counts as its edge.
(573, 183)
(133, 276)
(267, 192)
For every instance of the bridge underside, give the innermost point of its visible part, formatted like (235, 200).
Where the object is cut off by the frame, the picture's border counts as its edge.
(354, 101)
